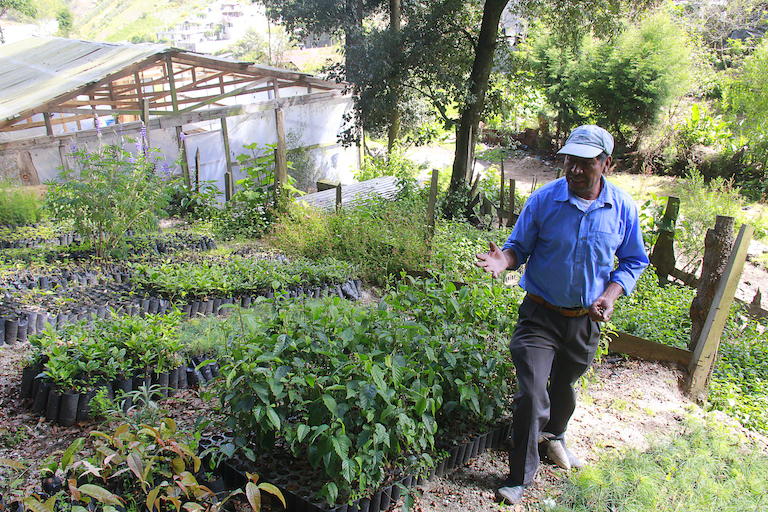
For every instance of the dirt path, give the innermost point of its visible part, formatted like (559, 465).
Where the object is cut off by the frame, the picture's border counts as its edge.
(626, 404)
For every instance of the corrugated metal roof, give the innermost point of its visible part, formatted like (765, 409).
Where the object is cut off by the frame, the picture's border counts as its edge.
(39, 69)
(385, 187)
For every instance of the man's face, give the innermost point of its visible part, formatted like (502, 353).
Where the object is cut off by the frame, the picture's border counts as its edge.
(583, 175)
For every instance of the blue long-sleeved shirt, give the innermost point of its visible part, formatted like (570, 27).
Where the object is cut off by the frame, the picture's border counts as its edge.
(570, 253)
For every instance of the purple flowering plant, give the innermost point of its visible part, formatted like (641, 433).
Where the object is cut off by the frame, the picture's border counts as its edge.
(109, 191)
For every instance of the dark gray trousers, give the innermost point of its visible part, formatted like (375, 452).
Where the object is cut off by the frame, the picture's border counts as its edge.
(550, 353)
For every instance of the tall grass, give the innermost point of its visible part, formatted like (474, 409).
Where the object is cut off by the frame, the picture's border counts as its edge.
(18, 205)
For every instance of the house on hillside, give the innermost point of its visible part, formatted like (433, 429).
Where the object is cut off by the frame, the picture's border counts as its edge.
(198, 110)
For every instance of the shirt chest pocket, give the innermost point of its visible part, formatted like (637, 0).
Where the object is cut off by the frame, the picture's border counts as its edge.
(604, 247)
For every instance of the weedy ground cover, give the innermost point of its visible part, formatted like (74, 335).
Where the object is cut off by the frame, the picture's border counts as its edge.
(738, 383)
(704, 467)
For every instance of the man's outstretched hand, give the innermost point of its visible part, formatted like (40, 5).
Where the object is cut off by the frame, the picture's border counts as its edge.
(496, 261)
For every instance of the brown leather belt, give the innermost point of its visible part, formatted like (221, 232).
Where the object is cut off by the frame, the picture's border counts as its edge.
(569, 312)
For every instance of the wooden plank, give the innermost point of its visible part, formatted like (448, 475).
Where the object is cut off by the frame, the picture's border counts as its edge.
(634, 346)
(709, 341)
(329, 97)
(171, 82)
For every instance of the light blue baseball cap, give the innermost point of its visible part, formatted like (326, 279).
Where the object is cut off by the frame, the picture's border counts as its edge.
(588, 141)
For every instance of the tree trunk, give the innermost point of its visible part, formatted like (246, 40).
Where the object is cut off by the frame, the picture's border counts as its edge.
(478, 85)
(717, 248)
(394, 96)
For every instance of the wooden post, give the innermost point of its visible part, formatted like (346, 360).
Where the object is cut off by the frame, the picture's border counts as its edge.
(512, 216)
(533, 184)
(432, 202)
(145, 116)
(663, 254)
(225, 137)
(718, 244)
(171, 82)
(63, 155)
(228, 192)
(48, 124)
(183, 154)
(501, 192)
(197, 170)
(709, 341)
(338, 198)
(281, 154)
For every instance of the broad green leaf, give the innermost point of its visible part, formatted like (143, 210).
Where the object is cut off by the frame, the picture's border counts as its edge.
(301, 432)
(69, 453)
(330, 404)
(273, 418)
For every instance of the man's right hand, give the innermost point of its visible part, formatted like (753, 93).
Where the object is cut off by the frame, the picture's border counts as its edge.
(496, 261)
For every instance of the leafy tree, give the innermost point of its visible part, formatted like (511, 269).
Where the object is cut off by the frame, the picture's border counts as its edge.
(747, 100)
(25, 7)
(66, 21)
(714, 23)
(251, 47)
(629, 82)
(622, 83)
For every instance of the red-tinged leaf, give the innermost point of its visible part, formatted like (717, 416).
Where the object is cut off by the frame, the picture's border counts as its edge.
(135, 465)
(100, 494)
(253, 494)
(72, 484)
(191, 506)
(274, 491)
(253, 477)
(176, 503)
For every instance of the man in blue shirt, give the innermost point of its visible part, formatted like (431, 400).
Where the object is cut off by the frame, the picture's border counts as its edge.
(570, 233)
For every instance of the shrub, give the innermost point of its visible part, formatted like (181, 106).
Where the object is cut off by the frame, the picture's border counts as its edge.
(379, 236)
(108, 192)
(746, 96)
(621, 84)
(394, 164)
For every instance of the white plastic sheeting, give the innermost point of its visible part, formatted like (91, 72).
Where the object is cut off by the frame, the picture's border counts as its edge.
(314, 124)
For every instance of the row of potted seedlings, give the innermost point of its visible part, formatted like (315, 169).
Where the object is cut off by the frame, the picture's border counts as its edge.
(300, 483)
(112, 356)
(367, 396)
(240, 279)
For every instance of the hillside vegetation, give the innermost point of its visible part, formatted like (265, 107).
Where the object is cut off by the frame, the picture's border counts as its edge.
(124, 20)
